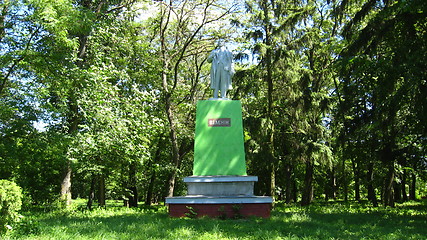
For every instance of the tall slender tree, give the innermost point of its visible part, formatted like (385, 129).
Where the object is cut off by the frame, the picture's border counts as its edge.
(294, 68)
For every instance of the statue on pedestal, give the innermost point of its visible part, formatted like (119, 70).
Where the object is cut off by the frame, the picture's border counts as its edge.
(220, 179)
(221, 71)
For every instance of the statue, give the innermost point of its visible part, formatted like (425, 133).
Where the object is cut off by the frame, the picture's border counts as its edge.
(221, 71)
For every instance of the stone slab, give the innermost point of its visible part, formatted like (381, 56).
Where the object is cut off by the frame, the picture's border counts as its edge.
(221, 189)
(221, 185)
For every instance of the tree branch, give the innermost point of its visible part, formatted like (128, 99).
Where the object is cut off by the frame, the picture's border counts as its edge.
(17, 61)
(191, 38)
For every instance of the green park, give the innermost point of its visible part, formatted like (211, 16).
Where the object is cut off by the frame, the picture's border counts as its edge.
(213, 119)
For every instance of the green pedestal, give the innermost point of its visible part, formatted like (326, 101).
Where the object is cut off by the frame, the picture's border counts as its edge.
(218, 147)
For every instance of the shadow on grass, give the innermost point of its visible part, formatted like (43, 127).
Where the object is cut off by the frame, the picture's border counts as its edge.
(321, 222)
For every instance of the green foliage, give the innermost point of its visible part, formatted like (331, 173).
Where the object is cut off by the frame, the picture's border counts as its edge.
(236, 211)
(192, 212)
(235, 214)
(10, 204)
(222, 213)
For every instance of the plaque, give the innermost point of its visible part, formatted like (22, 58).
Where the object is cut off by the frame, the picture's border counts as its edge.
(219, 122)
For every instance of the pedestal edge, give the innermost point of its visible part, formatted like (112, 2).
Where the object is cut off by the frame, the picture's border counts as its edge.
(221, 178)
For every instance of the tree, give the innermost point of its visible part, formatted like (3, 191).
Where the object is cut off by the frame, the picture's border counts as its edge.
(382, 71)
(67, 28)
(294, 68)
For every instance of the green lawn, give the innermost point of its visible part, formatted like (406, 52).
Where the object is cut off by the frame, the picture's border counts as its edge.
(319, 221)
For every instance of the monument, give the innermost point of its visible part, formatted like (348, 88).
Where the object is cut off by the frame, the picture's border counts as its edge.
(221, 71)
(220, 186)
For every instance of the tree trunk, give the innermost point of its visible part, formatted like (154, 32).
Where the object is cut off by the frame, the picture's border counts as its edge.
(388, 197)
(101, 192)
(294, 190)
(273, 181)
(288, 183)
(73, 121)
(327, 192)
(65, 194)
(171, 182)
(345, 182)
(172, 133)
(91, 193)
(330, 188)
(167, 94)
(412, 187)
(397, 189)
(327, 185)
(149, 197)
(269, 80)
(371, 190)
(333, 184)
(403, 185)
(173, 139)
(133, 199)
(66, 185)
(307, 194)
(387, 158)
(356, 181)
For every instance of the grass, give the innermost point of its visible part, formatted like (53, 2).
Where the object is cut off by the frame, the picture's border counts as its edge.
(319, 221)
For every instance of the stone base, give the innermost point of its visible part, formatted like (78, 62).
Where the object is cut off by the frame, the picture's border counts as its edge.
(222, 207)
(220, 196)
(220, 185)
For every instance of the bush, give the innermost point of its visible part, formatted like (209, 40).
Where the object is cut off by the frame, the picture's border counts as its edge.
(10, 203)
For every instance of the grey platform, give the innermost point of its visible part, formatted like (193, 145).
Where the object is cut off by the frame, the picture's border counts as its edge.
(218, 200)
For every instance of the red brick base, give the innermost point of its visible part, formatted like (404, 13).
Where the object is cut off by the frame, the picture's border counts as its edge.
(220, 210)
